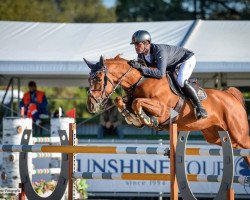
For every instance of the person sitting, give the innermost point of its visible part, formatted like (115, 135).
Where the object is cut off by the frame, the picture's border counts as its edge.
(110, 121)
(35, 103)
(166, 58)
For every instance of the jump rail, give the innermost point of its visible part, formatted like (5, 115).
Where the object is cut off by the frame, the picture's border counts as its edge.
(150, 176)
(68, 151)
(49, 149)
(46, 171)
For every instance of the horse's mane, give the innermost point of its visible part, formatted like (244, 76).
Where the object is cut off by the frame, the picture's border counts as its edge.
(116, 59)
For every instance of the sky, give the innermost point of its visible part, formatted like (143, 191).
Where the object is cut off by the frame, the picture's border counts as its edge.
(108, 3)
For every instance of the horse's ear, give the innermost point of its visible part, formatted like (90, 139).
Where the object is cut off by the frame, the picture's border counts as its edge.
(90, 65)
(101, 62)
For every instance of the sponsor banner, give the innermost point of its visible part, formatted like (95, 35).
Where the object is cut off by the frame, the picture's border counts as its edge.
(128, 163)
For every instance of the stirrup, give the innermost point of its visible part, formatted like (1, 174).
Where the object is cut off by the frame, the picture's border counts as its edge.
(200, 113)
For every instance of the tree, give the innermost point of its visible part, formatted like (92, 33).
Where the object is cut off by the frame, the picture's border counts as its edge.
(56, 11)
(163, 10)
(150, 10)
(220, 9)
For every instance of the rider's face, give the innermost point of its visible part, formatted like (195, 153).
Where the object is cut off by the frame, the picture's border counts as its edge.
(141, 47)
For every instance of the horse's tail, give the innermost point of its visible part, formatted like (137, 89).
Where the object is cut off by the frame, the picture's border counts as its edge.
(237, 94)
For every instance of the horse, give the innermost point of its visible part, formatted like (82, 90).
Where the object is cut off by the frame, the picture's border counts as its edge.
(151, 100)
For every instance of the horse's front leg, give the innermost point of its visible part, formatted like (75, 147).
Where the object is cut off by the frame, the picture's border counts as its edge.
(129, 117)
(153, 107)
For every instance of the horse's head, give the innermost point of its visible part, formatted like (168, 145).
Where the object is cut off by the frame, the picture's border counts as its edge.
(105, 77)
(100, 86)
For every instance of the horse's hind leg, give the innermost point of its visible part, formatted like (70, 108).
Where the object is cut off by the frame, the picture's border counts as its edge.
(130, 118)
(212, 136)
(240, 137)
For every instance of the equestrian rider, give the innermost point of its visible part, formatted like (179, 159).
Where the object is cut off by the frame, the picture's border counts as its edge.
(166, 58)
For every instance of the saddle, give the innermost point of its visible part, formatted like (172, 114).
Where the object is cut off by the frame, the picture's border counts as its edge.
(178, 90)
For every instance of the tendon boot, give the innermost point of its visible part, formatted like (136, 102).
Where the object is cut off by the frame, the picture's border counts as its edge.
(190, 92)
(148, 120)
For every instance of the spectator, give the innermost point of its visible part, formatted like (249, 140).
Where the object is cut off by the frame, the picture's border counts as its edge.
(110, 121)
(35, 104)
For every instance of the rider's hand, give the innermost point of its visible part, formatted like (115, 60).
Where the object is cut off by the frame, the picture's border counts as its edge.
(135, 64)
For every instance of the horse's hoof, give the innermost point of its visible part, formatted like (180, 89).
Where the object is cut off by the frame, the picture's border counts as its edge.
(128, 121)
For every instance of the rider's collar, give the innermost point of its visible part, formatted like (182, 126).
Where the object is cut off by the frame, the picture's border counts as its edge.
(147, 56)
(148, 53)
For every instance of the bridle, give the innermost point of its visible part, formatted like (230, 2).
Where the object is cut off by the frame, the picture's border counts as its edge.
(102, 100)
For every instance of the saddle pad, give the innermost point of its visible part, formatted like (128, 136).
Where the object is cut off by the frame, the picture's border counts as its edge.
(200, 91)
(201, 94)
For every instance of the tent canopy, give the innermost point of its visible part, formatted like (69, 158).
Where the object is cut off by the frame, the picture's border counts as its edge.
(51, 53)
(221, 46)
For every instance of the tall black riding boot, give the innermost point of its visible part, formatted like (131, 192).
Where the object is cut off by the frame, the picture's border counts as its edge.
(190, 92)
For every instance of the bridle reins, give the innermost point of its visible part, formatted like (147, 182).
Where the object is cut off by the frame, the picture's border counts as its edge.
(101, 101)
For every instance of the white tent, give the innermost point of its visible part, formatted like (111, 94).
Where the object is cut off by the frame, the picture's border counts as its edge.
(222, 51)
(51, 53)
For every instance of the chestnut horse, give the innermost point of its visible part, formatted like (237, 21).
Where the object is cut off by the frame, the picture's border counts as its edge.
(153, 97)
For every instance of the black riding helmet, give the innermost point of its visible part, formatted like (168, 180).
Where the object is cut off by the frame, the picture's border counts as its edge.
(141, 36)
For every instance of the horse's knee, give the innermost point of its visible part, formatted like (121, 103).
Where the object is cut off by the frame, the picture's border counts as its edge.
(119, 102)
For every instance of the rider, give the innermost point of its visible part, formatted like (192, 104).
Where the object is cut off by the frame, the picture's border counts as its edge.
(166, 58)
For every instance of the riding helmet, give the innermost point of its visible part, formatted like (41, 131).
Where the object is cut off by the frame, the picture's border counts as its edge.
(141, 36)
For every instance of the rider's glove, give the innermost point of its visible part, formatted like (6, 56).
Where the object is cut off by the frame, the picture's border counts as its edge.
(135, 64)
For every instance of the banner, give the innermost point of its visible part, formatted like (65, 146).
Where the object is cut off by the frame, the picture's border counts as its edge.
(128, 163)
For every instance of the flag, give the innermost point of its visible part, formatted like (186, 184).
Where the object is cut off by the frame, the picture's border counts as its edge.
(71, 113)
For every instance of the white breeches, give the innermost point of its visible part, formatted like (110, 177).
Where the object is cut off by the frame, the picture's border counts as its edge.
(186, 70)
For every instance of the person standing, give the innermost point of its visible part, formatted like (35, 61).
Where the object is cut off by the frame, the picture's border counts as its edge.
(110, 121)
(35, 103)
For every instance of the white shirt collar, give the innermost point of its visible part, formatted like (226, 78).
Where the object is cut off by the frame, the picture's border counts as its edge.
(148, 57)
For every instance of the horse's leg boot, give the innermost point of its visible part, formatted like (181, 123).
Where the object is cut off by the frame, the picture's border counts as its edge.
(148, 120)
(154, 121)
(190, 92)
